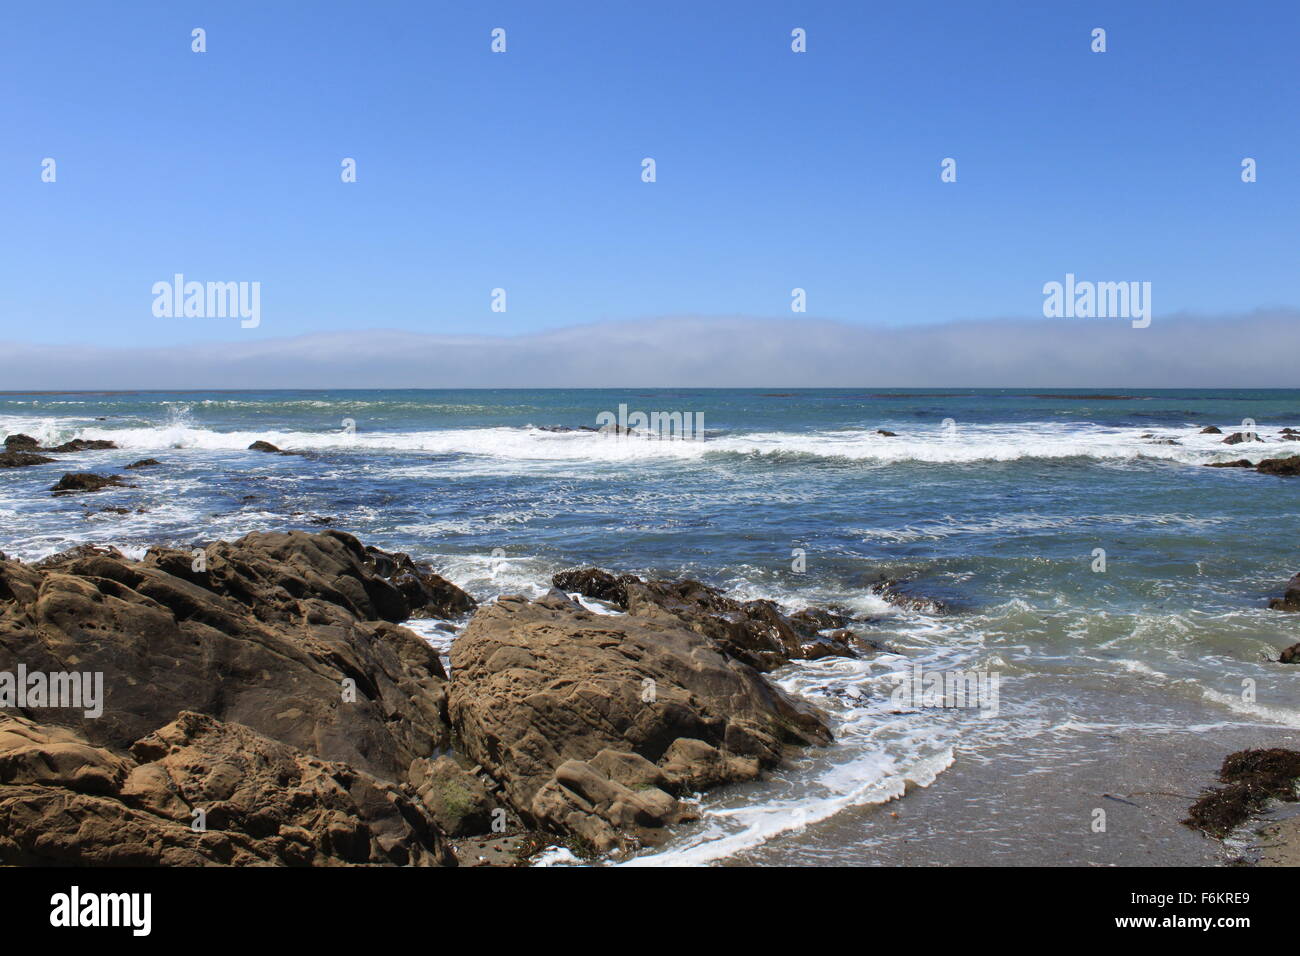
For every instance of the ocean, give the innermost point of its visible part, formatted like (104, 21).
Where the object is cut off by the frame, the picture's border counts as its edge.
(1114, 587)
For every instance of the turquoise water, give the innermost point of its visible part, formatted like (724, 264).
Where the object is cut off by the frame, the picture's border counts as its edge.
(993, 500)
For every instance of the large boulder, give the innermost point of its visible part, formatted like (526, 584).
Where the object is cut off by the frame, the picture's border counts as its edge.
(594, 724)
(198, 792)
(281, 633)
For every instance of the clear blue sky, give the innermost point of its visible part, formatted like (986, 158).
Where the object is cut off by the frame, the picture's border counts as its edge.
(522, 170)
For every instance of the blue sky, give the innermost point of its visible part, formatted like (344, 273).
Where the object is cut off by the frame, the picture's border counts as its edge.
(522, 170)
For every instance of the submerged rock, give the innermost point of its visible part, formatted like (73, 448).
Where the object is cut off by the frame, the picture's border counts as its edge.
(1211, 430)
(144, 463)
(594, 724)
(899, 593)
(1290, 599)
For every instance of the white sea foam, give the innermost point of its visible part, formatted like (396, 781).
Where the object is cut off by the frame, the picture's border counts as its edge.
(928, 444)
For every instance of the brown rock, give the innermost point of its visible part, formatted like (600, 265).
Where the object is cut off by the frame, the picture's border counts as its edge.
(900, 594)
(20, 442)
(594, 583)
(756, 632)
(74, 482)
(22, 459)
(1290, 599)
(65, 802)
(276, 634)
(83, 444)
(556, 703)
(1280, 466)
(457, 800)
(1211, 430)
(144, 463)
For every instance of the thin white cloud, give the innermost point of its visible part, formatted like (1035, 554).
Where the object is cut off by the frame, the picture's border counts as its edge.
(1256, 349)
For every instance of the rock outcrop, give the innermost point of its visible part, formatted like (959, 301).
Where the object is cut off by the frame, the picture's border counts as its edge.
(267, 683)
(80, 481)
(594, 724)
(756, 632)
(272, 664)
(20, 442)
(288, 634)
(198, 792)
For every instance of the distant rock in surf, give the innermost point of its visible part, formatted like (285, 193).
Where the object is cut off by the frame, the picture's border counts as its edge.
(899, 593)
(82, 444)
(84, 481)
(22, 459)
(22, 442)
(266, 446)
(1290, 599)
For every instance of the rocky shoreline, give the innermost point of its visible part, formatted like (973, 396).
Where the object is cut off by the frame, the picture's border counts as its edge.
(262, 704)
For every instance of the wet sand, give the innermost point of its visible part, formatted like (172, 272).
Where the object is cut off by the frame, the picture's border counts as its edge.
(1035, 802)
